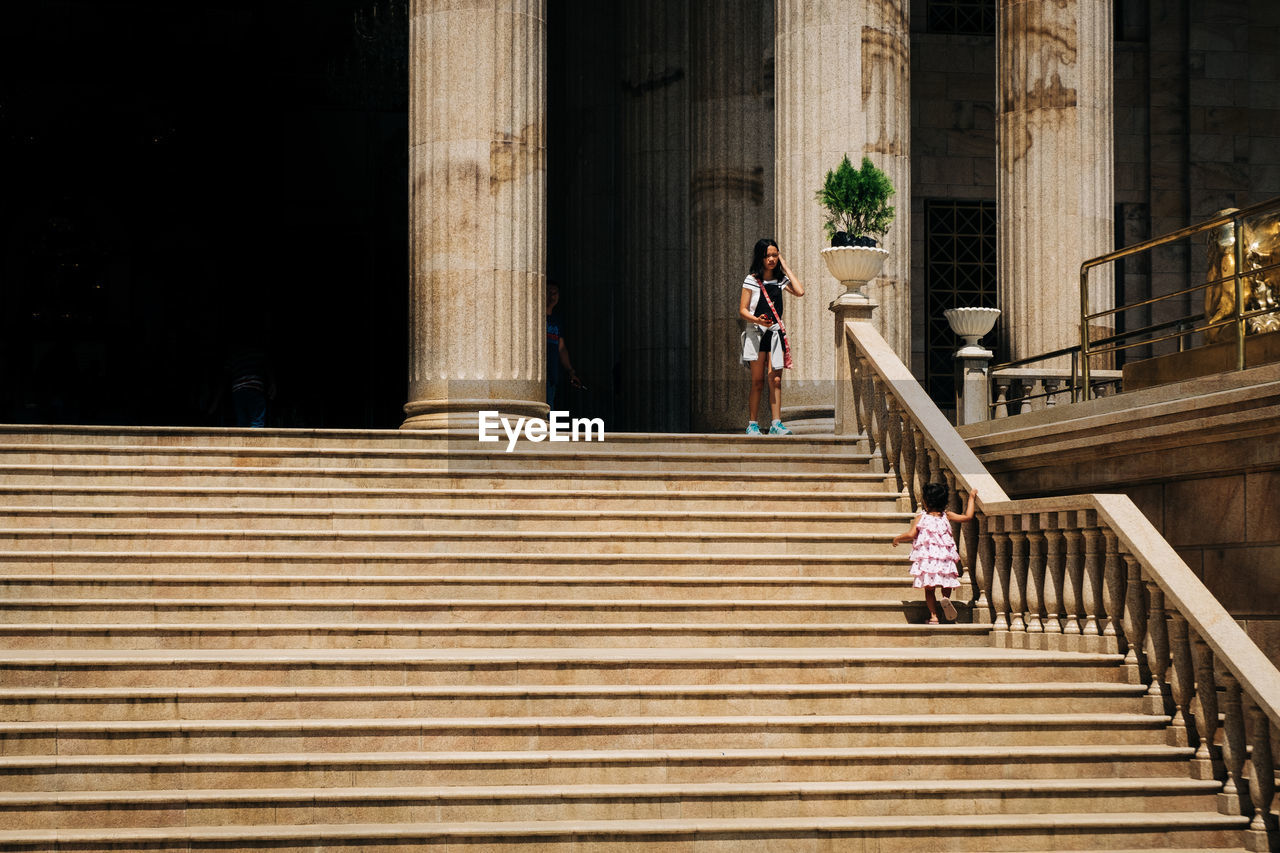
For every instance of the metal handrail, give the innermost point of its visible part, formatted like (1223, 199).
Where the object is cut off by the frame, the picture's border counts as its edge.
(1238, 317)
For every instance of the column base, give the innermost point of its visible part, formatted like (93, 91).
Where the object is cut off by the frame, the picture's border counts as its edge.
(810, 420)
(463, 416)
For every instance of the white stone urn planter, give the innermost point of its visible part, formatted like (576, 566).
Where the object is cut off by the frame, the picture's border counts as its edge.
(854, 266)
(971, 324)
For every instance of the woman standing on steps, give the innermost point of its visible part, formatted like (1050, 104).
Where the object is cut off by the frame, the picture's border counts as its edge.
(935, 559)
(766, 338)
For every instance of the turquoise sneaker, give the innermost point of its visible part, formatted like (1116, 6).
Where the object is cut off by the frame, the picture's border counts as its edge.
(753, 428)
(779, 428)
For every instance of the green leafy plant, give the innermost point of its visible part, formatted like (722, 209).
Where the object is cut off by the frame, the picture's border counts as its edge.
(856, 200)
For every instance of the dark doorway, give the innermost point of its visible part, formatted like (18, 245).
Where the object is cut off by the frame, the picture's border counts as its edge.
(178, 176)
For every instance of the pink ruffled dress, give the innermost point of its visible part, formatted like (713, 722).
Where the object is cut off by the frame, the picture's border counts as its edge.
(934, 556)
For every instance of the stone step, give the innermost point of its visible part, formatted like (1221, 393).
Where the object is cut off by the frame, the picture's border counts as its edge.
(885, 834)
(440, 476)
(158, 587)
(367, 564)
(576, 732)
(532, 665)
(599, 801)
(178, 497)
(579, 456)
(780, 546)
(256, 613)
(137, 704)
(339, 439)
(318, 636)
(320, 770)
(745, 520)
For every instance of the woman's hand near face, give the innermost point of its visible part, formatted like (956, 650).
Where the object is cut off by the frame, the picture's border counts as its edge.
(793, 283)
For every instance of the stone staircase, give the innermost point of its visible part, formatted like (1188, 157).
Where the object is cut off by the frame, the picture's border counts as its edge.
(324, 641)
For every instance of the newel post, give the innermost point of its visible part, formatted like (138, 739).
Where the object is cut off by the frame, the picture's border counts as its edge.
(846, 309)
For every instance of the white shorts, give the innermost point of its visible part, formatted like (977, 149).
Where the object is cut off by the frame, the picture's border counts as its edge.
(753, 338)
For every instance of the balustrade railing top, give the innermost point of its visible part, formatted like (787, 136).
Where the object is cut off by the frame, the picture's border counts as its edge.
(1087, 573)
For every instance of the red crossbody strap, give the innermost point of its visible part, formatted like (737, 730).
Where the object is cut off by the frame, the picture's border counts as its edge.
(786, 346)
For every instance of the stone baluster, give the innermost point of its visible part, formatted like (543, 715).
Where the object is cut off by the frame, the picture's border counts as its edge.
(954, 504)
(1035, 398)
(909, 462)
(922, 466)
(984, 570)
(1205, 761)
(1052, 386)
(969, 551)
(1262, 781)
(858, 369)
(866, 413)
(1017, 580)
(855, 370)
(1232, 799)
(1181, 681)
(1001, 401)
(1000, 546)
(1091, 579)
(1034, 589)
(1019, 397)
(1112, 591)
(1072, 581)
(1135, 614)
(1053, 579)
(935, 467)
(1157, 650)
(893, 433)
(880, 419)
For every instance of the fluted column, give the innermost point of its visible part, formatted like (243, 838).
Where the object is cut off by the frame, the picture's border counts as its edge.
(731, 194)
(843, 86)
(655, 288)
(477, 202)
(1055, 182)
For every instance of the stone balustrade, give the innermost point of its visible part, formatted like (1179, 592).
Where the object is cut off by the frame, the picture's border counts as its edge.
(1016, 390)
(1087, 573)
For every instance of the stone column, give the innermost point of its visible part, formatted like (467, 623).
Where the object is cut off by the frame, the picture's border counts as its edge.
(654, 308)
(843, 87)
(477, 196)
(731, 193)
(1055, 182)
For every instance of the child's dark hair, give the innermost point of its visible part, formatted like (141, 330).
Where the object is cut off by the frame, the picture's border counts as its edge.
(935, 497)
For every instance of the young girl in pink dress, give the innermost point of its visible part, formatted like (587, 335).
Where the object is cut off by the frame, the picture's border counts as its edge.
(934, 557)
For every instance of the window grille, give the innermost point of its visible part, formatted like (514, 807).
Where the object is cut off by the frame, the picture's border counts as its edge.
(962, 17)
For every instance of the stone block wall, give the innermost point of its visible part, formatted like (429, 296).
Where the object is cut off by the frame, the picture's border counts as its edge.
(1227, 529)
(1233, 103)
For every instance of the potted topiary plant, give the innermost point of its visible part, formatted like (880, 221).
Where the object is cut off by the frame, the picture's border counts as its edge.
(856, 202)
